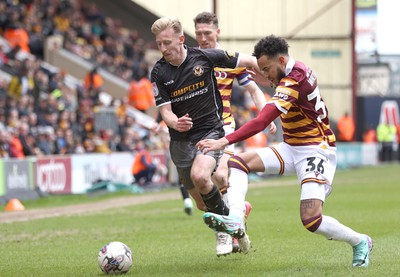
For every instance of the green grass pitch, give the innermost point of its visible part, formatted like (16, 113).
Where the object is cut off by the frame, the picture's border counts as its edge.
(167, 242)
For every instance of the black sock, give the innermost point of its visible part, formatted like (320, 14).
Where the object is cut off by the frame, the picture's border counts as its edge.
(214, 202)
(184, 191)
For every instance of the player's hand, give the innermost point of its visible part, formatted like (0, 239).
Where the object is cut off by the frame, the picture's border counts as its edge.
(272, 128)
(184, 123)
(208, 145)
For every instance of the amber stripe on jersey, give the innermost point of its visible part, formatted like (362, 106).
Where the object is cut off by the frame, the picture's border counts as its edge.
(225, 78)
(299, 129)
(280, 160)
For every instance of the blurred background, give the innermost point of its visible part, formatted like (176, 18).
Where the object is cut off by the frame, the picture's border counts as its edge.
(70, 69)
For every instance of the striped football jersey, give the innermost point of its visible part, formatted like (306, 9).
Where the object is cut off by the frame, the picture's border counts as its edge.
(304, 115)
(225, 78)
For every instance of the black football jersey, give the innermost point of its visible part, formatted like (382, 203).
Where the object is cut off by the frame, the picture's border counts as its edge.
(191, 88)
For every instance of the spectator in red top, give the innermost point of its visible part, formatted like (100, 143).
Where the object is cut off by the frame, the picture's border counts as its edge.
(143, 168)
(369, 135)
(16, 148)
(141, 95)
(16, 35)
(346, 128)
(26, 139)
(93, 80)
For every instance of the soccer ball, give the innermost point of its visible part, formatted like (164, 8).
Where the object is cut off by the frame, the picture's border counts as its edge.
(115, 258)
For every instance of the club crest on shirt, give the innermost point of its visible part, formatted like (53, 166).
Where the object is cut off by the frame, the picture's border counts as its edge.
(198, 70)
(155, 88)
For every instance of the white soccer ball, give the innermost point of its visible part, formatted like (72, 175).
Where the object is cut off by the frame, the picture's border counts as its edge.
(115, 258)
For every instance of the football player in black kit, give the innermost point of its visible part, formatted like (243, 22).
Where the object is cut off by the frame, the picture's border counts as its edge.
(186, 94)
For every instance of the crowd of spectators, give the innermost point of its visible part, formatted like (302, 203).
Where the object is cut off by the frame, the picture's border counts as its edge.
(86, 31)
(39, 113)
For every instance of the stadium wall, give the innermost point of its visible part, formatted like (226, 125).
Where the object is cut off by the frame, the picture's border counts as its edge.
(77, 174)
(70, 174)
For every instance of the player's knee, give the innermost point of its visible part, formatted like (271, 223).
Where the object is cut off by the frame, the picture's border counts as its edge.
(199, 180)
(312, 223)
(238, 163)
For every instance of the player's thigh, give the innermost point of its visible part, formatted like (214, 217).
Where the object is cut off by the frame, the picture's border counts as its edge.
(203, 166)
(184, 177)
(182, 153)
(276, 159)
(253, 160)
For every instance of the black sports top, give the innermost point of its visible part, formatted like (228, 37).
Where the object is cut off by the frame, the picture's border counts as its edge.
(191, 88)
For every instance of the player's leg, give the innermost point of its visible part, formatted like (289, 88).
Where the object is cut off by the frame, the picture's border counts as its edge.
(224, 241)
(195, 169)
(235, 241)
(194, 192)
(329, 227)
(150, 171)
(220, 177)
(188, 187)
(140, 178)
(187, 201)
(202, 168)
(271, 160)
(316, 173)
(240, 166)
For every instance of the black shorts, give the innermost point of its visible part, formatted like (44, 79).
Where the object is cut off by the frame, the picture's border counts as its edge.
(184, 152)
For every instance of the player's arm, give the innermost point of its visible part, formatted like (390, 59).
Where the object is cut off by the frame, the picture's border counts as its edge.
(257, 95)
(252, 127)
(246, 60)
(259, 100)
(222, 58)
(181, 124)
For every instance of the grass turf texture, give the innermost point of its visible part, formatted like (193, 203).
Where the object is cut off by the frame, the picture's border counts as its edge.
(167, 242)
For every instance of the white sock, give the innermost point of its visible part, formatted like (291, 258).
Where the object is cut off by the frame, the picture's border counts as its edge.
(334, 230)
(238, 185)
